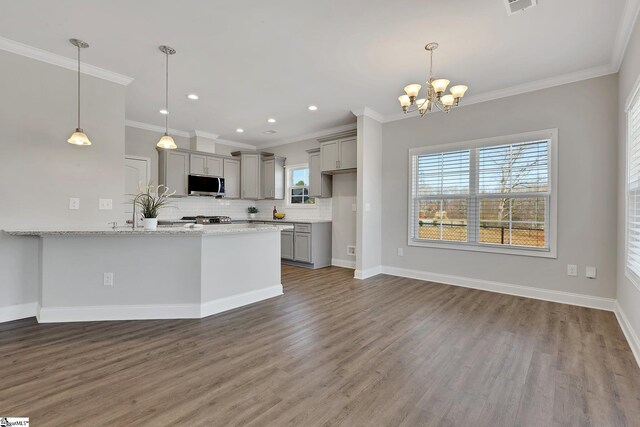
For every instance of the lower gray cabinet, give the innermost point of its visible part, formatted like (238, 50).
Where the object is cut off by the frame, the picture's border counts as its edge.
(303, 250)
(286, 244)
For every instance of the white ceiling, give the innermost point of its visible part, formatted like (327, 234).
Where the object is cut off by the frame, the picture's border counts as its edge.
(249, 60)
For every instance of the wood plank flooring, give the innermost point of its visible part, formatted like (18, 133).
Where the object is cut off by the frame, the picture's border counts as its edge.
(386, 351)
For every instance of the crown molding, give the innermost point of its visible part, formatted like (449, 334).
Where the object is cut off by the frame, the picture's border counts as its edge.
(154, 128)
(313, 135)
(236, 144)
(627, 23)
(203, 134)
(368, 112)
(62, 61)
(521, 89)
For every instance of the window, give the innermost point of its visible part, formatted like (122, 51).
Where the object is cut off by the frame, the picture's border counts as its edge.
(298, 186)
(633, 189)
(493, 195)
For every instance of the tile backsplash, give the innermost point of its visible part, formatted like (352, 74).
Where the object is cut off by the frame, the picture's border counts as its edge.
(237, 209)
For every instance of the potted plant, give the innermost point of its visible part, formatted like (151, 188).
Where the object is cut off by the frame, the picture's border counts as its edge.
(252, 210)
(150, 201)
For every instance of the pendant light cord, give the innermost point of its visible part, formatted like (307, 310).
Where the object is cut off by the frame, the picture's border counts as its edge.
(166, 98)
(79, 86)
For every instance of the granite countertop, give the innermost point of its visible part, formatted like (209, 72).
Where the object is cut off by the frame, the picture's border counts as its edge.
(285, 220)
(207, 230)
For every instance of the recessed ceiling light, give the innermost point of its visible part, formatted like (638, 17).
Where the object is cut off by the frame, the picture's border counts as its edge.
(313, 107)
(163, 111)
(270, 132)
(239, 130)
(271, 120)
(192, 96)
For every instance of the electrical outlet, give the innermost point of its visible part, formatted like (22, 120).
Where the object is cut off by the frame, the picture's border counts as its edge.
(74, 203)
(400, 252)
(105, 204)
(590, 272)
(354, 207)
(351, 250)
(572, 270)
(108, 279)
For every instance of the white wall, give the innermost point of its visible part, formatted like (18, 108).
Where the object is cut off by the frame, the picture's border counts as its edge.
(628, 294)
(40, 171)
(369, 198)
(585, 114)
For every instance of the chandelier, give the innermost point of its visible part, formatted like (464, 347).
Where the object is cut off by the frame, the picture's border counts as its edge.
(434, 92)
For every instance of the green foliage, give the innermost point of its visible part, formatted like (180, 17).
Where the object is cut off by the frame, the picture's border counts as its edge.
(252, 210)
(300, 183)
(152, 199)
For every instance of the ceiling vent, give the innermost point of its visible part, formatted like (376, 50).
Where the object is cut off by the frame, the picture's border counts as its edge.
(515, 6)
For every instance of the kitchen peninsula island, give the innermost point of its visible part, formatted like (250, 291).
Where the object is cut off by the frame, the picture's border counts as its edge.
(170, 273)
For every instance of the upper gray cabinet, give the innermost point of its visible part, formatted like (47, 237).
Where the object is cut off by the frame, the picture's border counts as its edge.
(339, 154)
(250, 164)
(173, 170)
(231, 169)
(320, 185)
(206, 165)
(273, 177)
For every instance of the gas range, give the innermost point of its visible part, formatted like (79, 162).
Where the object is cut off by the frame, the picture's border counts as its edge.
(202, 219)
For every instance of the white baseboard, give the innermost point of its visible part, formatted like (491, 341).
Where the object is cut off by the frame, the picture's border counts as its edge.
(118, 312)
(629, 333)
(154, 311)
(345, 263)
(506, 288)
(365, 274)
(235, 301)
(18, 311)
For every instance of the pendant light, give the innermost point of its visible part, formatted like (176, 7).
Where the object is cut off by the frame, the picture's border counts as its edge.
(166, 141)
(79, 137)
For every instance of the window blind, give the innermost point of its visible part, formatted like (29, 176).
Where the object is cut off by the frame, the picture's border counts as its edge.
(489, 195)
(633, 188)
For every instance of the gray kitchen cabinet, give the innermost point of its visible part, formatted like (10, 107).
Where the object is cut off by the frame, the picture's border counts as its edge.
(338, 155)
(320, 185)
(173, 169)
(307, 245)
(273, 177)
(286, 245)
(201, 164)
(302, 250)
(231, 168)
(250, 164)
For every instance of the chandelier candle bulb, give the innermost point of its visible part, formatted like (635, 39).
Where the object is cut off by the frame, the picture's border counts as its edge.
(440, 85)
(458, 92)
(412, 91)
(422, 105)
(405, 102)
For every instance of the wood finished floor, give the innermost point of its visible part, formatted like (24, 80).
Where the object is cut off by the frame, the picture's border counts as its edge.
(332, 351)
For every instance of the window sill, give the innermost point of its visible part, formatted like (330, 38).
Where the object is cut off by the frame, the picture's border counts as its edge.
(538, 253)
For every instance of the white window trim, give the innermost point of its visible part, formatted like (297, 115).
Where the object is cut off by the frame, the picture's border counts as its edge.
(552, 136)
(633, 97)
(290, 205)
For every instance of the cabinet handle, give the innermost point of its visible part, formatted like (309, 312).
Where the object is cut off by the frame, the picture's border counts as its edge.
(337, 162)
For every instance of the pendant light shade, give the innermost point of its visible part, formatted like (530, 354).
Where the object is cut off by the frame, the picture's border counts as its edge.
(79, 137)
(166, 142)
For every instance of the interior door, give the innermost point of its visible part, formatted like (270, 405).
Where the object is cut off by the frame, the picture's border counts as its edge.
(136, 176)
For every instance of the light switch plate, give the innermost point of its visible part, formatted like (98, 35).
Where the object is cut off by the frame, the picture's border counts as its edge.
(354, 207)
(74, 203)
(400, 251)
(590, 272)
(108, 279)
(572, 270)
(105, 204)
(351, 250)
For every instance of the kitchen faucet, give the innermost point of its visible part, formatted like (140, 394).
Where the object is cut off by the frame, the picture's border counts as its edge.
(135, 201)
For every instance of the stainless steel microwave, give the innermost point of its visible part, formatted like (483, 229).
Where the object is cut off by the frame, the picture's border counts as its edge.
(203, 185)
